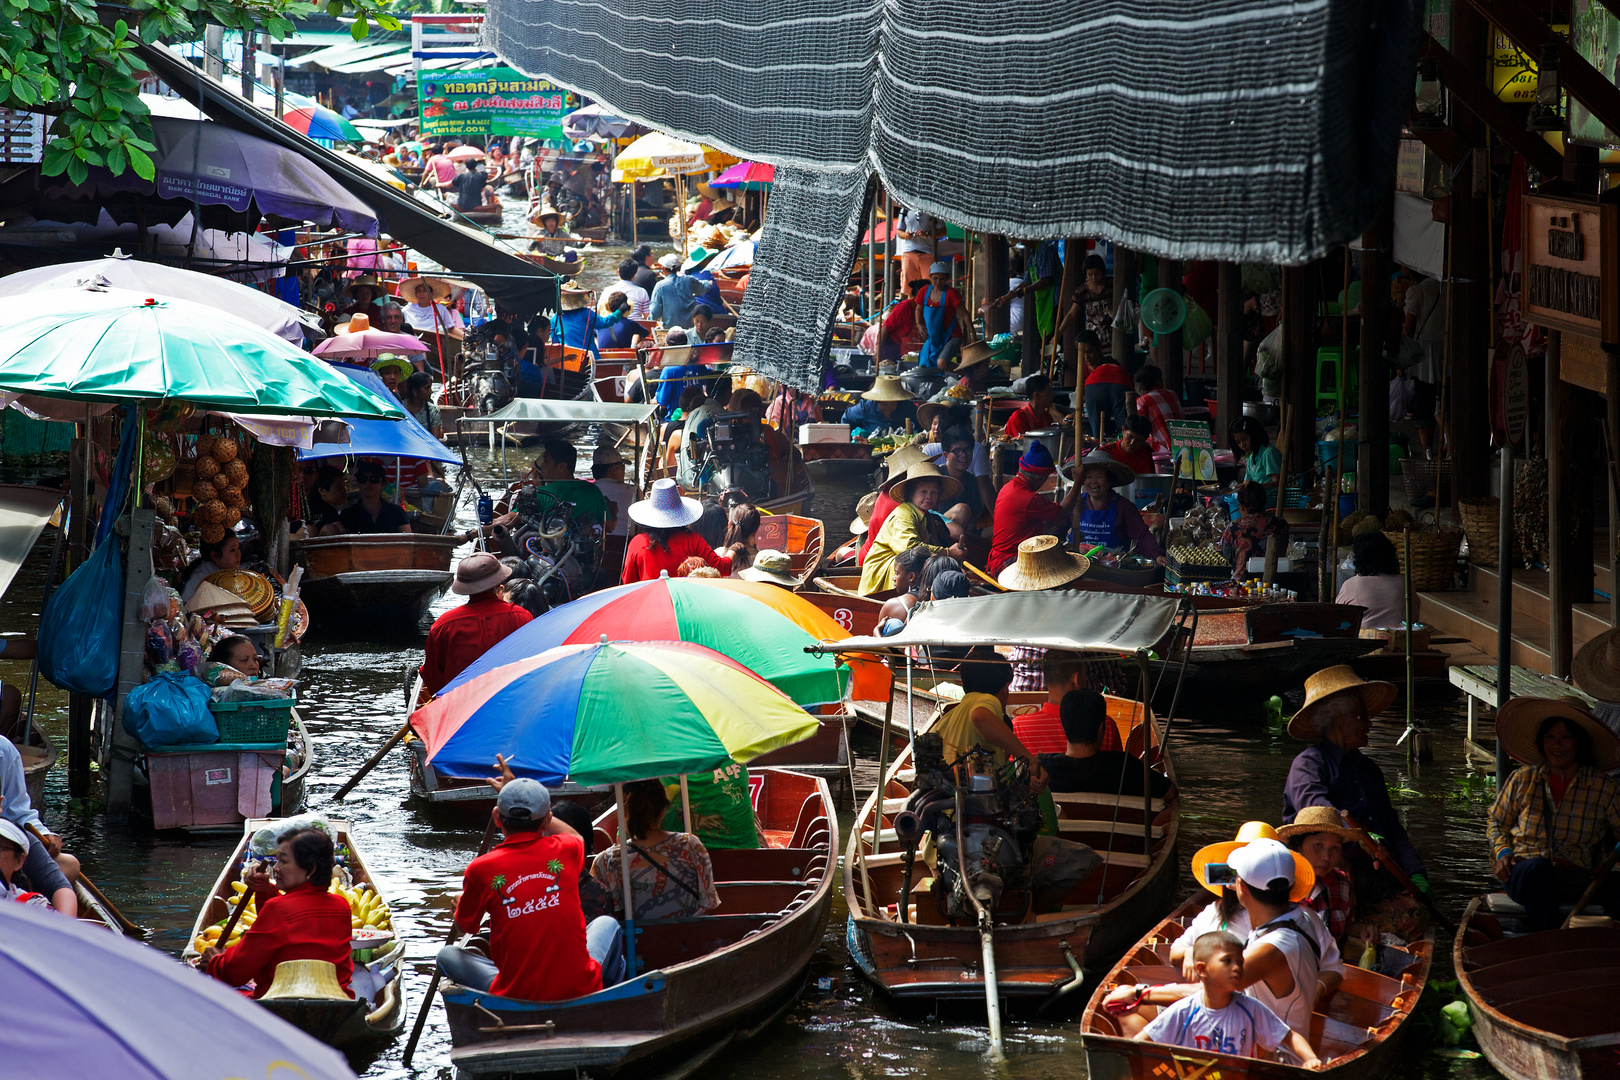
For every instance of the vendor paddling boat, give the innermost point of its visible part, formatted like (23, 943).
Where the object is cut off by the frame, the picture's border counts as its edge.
(925, 924)
(369, 583)
(306, 993)
(705, 981)
(1541, 1002)
(1359, 1034)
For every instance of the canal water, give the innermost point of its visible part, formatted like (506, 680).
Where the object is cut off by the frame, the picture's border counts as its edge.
(1231, 770)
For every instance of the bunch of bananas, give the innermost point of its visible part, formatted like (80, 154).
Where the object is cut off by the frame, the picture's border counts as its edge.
(366, 908)
(1196, 555)
(210, 936)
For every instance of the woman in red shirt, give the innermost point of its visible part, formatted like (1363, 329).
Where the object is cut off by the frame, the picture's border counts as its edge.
(301, 921)
(668, 541)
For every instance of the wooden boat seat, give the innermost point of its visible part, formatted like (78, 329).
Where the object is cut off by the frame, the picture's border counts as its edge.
(1539, 946)
(1499, 976)
(1573, 1013)
(1500, 903)
(1504, 995)
(666, 942)
(768, 864)
(1107, 828)
(759, 897)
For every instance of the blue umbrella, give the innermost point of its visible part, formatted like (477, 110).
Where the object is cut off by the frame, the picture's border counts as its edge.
(381, 438)
(80, 1001)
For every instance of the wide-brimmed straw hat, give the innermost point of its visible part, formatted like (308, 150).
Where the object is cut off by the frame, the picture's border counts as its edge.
(975, 353)
(887, 388)
(1315, 819)
(478, 573)
(926, 470)
(1042, 564)
(665, 507)
(773, 567)
(407, 288)
(1119, 473)
(1597, 666)
(1331, 684)
(1304, 876)
(863, 513)
(573, 298)
(547, 210)
(902, 459)
(1518, 721)
(306, 979)
(368, 281)
(927, 412)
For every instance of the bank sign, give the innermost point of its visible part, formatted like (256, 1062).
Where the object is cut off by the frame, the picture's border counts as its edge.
(481, 102)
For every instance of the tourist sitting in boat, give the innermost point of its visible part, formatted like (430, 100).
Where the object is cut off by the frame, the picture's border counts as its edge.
(1246, 538)
(330, 497)
(883, 503)
(373, 514)
(704, 329)
(615, 329)
(50, 870)
(1219, 1017)
(1285, 966)
(1084, 765)
(390, 316)
(742, 529)
(363, 294)
(1058, 671)
(1319, 834)
(428, 310)
(14, 884)
(1022, 511)
(640, 299)
(885, 408)
(231, 659)
(392, 369)
(1262, 462)
(897, 609)
(979, 721)
(1553, 818)
(771, 568)
(222, 554)
(299, 919)
(417, 397)
(540, 947)
(463, 634)
(1036, 413)
(670, 872)
(1336, 718)
(1158, 404)
(668, 540)
(1378, 584)
(472, 188)
(912, 523)
(1105, 517)
(1225, 912)
(676, 295)
(1131, 448)
(607, 472)
(961, 458)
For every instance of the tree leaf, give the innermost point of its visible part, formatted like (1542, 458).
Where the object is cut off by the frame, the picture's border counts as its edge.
(117, 160)
(140, 162)
(78, 171)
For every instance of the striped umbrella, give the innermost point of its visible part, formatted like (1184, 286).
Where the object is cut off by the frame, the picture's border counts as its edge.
(319, 122)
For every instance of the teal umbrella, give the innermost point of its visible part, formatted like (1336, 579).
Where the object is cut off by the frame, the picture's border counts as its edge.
(104, 344)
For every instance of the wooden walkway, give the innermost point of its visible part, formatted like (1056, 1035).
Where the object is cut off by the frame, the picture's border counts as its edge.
(1478, 681)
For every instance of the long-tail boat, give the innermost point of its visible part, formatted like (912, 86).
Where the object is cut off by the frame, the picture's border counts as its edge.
(366, 582)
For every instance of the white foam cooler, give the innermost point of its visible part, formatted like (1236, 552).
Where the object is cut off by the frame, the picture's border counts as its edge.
(823, 433)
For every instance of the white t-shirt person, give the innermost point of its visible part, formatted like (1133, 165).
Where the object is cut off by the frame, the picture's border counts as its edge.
(1292, 935)
(1245, 1028)
(421, 317)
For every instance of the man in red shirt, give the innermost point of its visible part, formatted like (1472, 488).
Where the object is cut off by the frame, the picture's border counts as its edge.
(1022, 512)
(299, 921)
(461, 635)
(1035, 413)
(540, 948)
(1132, 447)
(1157, 404)
(1042, 730)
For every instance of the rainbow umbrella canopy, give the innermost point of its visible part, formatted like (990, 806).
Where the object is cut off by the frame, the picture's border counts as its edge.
(608, 713)
(762, 627)
(319, 122)
(746, 176)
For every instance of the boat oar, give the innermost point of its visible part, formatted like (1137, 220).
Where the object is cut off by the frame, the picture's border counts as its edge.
(236, 915)
(1383, 857)
(371, 763)
(1591, 889)
(433, 984)
(129, 928)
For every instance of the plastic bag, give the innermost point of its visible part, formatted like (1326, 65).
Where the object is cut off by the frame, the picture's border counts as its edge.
(81, 630)
(170, 710)
(265, 841)
(154, 600)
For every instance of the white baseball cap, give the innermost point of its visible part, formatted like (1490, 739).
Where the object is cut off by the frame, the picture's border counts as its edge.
(1260, 863)
(11, 831)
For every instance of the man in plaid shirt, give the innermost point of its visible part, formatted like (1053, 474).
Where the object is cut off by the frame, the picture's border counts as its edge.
(1157, 404)
(1555, 815)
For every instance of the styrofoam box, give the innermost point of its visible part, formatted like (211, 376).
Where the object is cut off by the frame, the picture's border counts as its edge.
(1257, 565)
(823, 433)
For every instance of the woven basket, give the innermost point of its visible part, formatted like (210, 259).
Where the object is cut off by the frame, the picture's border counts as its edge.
(1424, 477)
(1480, 523)
(1434, 557)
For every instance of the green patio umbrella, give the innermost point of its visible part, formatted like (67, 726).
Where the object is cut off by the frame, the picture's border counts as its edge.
(113, 345)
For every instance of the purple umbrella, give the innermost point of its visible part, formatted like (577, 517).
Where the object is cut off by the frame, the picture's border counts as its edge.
(80, 1001)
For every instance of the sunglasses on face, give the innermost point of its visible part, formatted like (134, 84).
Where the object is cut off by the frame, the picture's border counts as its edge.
(371, 479)
(960, 451)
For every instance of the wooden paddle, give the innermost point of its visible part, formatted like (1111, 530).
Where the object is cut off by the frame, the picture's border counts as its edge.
(371, 763)
(1384, 859)
(129, 928)
(236, 915)
(1591, 889)
(983, 577)
(433, 984)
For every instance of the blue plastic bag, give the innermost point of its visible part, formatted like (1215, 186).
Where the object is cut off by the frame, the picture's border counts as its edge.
(171, 710)
(81, 630)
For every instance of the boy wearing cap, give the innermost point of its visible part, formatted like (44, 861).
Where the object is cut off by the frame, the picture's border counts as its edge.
(1022, 511)
(540, 948)
(607, 470)
(463, 634)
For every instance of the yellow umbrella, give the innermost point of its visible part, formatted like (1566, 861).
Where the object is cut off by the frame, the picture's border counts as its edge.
(375, 168)
(657, 152)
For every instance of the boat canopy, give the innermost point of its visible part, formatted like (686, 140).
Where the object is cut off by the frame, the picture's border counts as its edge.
(381, 438)
(571, 412)
(24, 512)
(1080, 621)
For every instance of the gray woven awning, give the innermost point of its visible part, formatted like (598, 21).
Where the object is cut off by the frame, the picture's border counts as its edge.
(1242, 130)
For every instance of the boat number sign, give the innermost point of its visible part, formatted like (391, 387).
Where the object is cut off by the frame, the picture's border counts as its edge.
(1193, 446)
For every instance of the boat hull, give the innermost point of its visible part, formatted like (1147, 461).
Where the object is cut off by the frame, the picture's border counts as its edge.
(374, 585)
(39, 756)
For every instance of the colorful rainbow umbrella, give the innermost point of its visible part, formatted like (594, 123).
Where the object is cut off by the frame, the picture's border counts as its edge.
(747, 176)
(762, 627)
(319, 122)
(609, 713)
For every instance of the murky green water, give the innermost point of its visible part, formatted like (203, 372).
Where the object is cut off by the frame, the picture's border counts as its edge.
(1230, 770)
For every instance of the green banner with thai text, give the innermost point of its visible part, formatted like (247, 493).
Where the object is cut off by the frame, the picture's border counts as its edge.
(480, 102)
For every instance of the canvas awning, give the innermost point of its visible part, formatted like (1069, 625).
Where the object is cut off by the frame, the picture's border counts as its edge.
(24, 512)
(570, 412)
(1079, 621)
(349, 53)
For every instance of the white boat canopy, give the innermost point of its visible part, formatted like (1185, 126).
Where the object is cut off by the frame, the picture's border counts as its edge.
(557, 410)
(24, 513)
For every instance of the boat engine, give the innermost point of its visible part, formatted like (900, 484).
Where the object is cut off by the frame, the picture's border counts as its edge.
(563, 548)
(732, 454)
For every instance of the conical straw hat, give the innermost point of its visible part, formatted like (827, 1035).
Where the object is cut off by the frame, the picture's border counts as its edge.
(306, 979)
(1042, 564)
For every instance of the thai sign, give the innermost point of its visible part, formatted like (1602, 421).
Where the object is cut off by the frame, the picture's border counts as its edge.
(1569, 279)
(490, 101)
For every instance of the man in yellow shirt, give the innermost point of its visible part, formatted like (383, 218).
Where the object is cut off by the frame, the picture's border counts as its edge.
(979, 720)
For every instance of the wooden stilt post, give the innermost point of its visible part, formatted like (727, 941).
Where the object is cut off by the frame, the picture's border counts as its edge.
(1229, 368)
(996, 277)
(1560, 625)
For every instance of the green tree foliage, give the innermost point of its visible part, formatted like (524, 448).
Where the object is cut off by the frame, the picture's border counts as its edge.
(76, 62)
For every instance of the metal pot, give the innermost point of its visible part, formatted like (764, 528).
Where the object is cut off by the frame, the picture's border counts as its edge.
(1262, 411)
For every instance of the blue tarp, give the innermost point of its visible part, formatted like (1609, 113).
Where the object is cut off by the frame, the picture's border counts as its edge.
(381, 438)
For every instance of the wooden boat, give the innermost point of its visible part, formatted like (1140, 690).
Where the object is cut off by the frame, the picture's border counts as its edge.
(39, 756)
(847, 586)
(1360, 1034)
(800, 537)
(198, 788)
(374, 583)
(828, 460)
(702, 982)
(377, 1010)
(1540, 1002)
(1270, 648)
(1038, 956)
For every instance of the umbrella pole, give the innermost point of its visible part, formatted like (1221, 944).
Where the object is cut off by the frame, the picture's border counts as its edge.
(680, 208)
(635, 221)
(624, 879)
(686, 805)
(438, 338)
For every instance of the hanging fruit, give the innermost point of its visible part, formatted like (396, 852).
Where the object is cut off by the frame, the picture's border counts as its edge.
(237, 472)
(224, 450)
(211, 512)
(231, 496)
(203, 491)
(207, 468)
